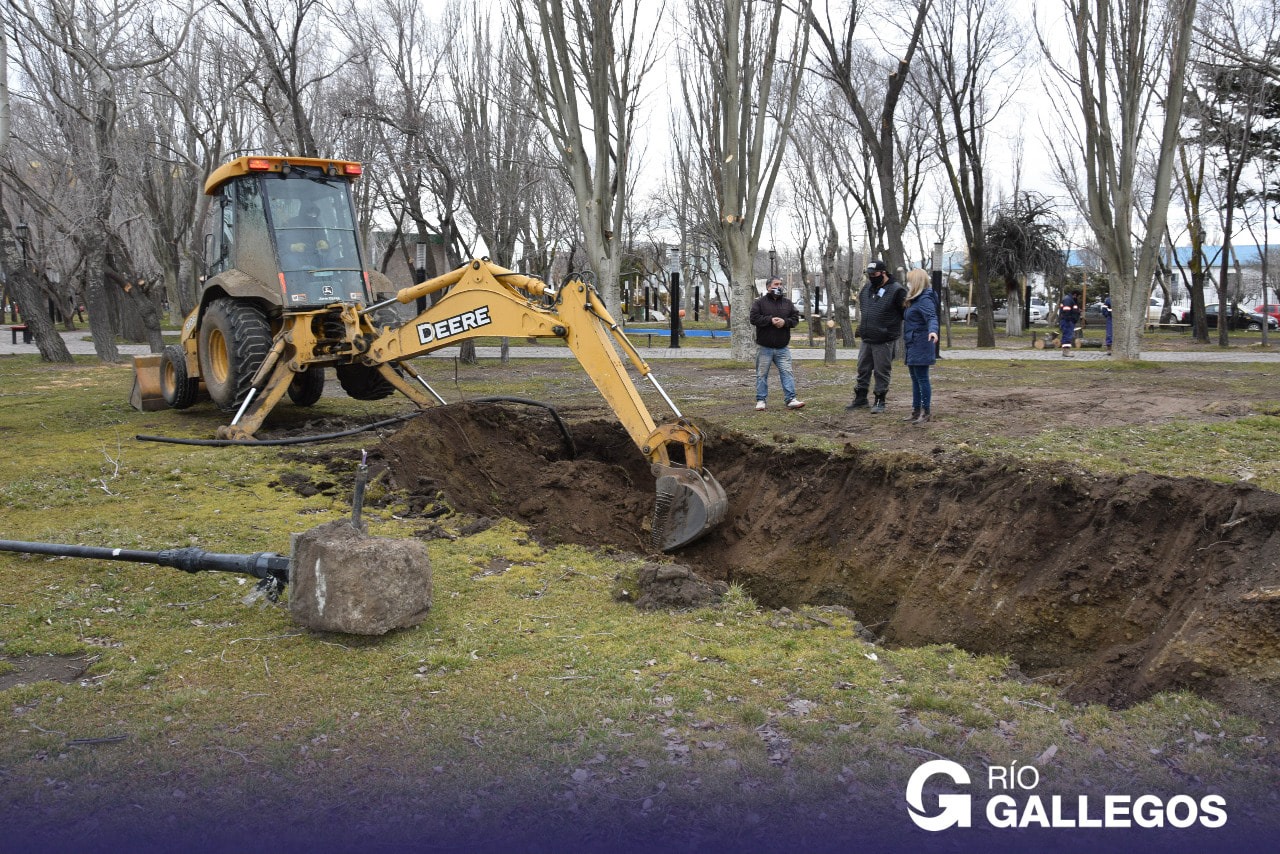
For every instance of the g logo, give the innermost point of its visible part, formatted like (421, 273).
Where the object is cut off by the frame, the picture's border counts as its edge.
(955, 808)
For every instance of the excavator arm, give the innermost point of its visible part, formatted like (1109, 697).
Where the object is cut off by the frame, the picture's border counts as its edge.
(483, 299)
(487, 300)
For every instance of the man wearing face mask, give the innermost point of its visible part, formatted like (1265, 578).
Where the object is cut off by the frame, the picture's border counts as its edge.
(774, 316)
(881, 305)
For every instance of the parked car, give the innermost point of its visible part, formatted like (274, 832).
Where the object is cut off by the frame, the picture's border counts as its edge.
(1271, 309)
(1093, 313)
(962, 313)
(1249, 320)
(1155, 308)
(1000, 315)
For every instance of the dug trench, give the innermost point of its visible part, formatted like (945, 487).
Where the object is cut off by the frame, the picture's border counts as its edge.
(1112, 588)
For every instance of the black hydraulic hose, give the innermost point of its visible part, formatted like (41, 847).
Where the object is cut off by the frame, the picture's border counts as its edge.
(264, 565)
(292, 440)
(555, 416)
(386, 422)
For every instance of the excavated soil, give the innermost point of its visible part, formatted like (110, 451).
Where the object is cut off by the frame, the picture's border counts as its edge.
(1113, 588)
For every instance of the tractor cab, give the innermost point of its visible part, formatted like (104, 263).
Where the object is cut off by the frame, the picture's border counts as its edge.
(284, 232)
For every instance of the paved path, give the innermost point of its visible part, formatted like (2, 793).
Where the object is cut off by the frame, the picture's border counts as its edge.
(78, 344)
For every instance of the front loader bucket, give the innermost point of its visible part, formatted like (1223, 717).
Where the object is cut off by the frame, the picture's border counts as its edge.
(689, 504)
(145, 395)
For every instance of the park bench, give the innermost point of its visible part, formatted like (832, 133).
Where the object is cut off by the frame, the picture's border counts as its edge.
(24, 329)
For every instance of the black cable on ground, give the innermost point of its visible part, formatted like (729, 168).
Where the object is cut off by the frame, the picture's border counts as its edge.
(386, 422)
(292, 440)
(564, 429)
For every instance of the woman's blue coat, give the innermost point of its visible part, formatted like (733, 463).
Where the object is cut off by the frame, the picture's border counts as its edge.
(920, 319)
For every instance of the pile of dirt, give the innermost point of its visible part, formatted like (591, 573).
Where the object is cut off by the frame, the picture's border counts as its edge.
(1114, 588)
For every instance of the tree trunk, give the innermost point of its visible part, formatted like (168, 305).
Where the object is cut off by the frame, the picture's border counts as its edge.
(98, 304)
(140, 297)
(742, 292)
(1013, 309)
(43, 331)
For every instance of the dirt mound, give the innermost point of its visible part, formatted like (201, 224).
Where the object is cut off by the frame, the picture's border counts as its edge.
(1113, 588)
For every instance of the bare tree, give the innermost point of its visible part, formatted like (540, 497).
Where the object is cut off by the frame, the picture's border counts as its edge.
(284, 44)
(1130, 60)
(971, 53)
(838, 61)
(821, 140)
(180, 134)
(85, 58)
(587, 61)
(1230, 104)
(19, 287)
(740, 90)
(489, 114)
(395, 99)
(688, 192)
(1191, 179)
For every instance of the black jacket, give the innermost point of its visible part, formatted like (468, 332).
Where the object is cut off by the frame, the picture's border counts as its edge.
(1069, 310)
(763, 310)
(880, 313)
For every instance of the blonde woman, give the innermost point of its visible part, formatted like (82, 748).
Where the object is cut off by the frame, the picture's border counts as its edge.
(920, 335)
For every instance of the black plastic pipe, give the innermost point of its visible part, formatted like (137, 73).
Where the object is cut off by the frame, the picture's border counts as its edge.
(264, 565)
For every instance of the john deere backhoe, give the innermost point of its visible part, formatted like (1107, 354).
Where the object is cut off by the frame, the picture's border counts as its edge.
(288, 295)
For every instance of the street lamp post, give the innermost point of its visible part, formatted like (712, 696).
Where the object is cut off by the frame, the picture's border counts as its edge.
(773, 263)
(936, 282)
(420, 270)
(674, 288)
(23, 233)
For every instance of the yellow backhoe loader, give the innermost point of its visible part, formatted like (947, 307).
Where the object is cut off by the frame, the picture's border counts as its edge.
(288, 295)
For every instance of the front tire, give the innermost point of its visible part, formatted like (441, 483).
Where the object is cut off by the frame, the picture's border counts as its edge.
(176, 387)
(363, 382)
(235, 337)
(305, 388)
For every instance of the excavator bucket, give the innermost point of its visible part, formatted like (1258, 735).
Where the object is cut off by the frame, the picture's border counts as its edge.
(145, 395)
(689, 503)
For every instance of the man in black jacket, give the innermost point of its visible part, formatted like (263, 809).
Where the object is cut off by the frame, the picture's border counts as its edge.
(881, 304)
(774, 316)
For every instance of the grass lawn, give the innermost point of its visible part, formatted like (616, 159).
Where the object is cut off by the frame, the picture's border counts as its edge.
(530, 711)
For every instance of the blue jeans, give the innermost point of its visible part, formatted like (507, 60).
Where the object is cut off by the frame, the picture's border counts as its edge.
(921, 388)
(767, 357)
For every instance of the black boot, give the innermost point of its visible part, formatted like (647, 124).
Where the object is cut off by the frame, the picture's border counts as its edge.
(878, 406)
(859, 399)
(915, 413)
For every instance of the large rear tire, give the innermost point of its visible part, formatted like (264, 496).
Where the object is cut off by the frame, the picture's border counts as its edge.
(306, 387)
(235, 337)
(177, 388)
(363, 382)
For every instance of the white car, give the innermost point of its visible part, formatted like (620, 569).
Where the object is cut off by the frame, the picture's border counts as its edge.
(1035, 312)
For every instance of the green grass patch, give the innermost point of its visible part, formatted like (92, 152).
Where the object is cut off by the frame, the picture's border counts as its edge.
(527, 682)
(1242, 449)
